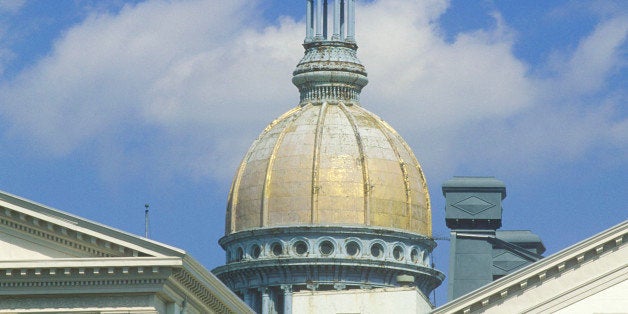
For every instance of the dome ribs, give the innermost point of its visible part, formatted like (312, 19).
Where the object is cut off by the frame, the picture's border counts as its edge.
(427, 220)
(402, 166)
(316, 159)
(268, 177)
(234, 195)
(329, 163)
(363, 162)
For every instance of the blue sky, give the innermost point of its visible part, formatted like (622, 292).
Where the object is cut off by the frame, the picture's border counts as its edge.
(106, 106)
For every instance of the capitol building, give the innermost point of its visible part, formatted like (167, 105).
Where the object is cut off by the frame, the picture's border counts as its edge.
(328, 212)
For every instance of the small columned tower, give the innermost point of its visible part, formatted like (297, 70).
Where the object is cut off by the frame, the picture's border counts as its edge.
(329, 197)
(330, 70)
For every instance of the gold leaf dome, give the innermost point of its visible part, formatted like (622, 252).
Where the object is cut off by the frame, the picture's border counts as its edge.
(329, 164)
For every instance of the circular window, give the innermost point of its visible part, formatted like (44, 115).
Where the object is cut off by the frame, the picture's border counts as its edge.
(398, 253)
(377, 250)
(326, 247)
(352, 248)
(300, 247)
(276, 248)
(256, 251)
(239, 254)
(414, 255)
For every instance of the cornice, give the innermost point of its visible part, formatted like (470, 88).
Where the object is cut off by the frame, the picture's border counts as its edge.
(325, 262)
(213, 287)
(329, 230)
(140, 274)
(93, 262)
(85, 275)
(197, 289)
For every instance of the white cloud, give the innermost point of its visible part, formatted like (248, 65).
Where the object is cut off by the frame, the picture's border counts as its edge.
(168, 86)
(156, 65)
(586, 69)
(11, 6)
(472, 104)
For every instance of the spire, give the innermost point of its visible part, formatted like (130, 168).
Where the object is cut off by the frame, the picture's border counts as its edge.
(330, 70)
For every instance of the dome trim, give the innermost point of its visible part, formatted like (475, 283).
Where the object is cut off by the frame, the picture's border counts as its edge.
(316, 162)
(363, 162)
(233, 194)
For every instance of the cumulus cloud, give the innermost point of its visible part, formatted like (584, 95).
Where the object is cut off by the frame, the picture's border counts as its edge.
(471, 103)
(167, 86)
(159, 71)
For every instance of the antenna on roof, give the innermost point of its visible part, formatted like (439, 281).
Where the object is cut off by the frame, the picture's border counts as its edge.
(146, 220)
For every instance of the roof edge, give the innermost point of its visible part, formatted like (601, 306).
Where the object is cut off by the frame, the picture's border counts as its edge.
(577, 251)
(83, 225)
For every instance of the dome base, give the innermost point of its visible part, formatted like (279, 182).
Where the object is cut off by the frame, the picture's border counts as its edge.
(326, 258)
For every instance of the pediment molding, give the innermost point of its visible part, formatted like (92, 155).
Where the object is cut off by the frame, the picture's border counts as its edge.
(51, 234)
(41, 224)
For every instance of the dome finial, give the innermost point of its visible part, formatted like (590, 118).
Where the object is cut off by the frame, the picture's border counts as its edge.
(330, 70)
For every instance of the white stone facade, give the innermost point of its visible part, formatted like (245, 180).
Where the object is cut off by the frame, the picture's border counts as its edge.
(373, 301)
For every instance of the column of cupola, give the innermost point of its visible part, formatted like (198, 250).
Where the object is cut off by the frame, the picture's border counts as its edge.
(317, 24)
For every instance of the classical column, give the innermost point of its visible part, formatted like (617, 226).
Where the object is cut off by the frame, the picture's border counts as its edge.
(246, 295)
(287, 298)
(351, 21)
(336, 35)
(309, 21)
(265, 300)
(319, 19)
(343, 19)
(325, 19)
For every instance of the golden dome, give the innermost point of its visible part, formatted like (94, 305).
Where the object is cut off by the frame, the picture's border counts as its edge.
(329, 164)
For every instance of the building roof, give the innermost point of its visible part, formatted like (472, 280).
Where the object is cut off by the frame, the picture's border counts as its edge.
(329, 164)
(557, 281)
(50, 252)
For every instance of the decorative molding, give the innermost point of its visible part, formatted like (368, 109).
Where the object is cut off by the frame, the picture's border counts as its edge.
(99, 302)
(75, 231)
(300, 273)
(200, 291)
(583, 290)
(55, 234)
(336, 236)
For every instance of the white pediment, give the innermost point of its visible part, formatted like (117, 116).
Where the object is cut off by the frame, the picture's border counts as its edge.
(612, 299)
(29, 231)
(14, 248)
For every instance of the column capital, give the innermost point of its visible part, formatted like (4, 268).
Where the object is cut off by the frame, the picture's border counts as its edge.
(286, 288)
(312, 286)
